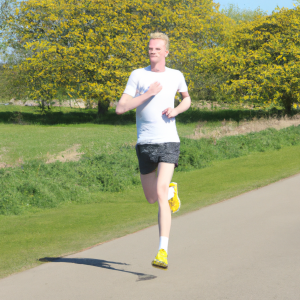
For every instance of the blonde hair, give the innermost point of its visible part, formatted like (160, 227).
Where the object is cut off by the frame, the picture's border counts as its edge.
(160, 36)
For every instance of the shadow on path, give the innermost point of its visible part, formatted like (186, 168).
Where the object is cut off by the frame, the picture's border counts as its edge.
(101, 263)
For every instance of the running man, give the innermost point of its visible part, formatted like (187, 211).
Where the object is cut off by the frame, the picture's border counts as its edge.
(152, 91)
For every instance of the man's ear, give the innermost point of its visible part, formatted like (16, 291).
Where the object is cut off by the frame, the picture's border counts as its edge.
(167, 54)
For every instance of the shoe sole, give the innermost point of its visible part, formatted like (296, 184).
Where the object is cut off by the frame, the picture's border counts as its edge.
(158, 266)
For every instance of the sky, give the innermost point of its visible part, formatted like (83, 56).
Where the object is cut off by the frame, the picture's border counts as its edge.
(266, 5)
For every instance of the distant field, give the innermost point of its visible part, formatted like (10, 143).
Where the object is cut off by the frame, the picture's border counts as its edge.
(45, 166)
(22, 143)
(67, 133)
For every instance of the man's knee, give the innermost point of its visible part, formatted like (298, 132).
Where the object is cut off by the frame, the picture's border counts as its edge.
(151, 197)
(151, 200)
(162, 191)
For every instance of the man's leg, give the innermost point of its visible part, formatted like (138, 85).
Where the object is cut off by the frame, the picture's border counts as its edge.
(165, 174)
(149, 183)
(156, 188)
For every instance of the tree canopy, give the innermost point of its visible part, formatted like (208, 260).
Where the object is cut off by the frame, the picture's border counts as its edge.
(260, 62)
(89, 48)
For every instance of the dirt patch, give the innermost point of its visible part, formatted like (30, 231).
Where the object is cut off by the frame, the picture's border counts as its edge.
(209, 105)
(229, 128)
(70, 154)
(77, 103)
(74, 103)
(5, 165)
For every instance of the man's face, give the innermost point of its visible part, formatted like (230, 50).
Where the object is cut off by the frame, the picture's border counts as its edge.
(157, 50)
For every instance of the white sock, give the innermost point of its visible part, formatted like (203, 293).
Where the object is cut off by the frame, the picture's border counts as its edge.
(171, 192)
(163, 243)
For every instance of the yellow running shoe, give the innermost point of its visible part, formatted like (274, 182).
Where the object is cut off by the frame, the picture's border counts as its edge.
(161, 260)
(175, 201)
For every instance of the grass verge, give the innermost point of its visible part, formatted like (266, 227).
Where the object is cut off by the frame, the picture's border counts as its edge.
(55, 232)
(39, 185)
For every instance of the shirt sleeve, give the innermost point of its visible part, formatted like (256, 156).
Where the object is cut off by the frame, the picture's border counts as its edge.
(182, 86)
(131, 86)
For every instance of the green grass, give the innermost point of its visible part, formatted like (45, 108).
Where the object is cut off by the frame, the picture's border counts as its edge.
(29, 142)
(22, 143)
(196, 154)
(35, 142)
(115, 168)
(49, 233)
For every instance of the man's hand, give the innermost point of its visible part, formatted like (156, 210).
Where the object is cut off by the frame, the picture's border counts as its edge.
(170, 112)
(154, 88)
(127, 102)
(183, 106)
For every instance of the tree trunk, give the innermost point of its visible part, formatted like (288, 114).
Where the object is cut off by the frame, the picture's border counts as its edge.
(43, 105)
(287, 101)
(103, 106)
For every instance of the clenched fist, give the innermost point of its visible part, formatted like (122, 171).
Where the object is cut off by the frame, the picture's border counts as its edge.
(170, 112)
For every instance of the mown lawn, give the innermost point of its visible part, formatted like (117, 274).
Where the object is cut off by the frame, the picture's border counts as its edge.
(37, 142)
(20, 143)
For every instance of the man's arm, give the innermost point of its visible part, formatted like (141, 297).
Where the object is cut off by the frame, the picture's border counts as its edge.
(183, 106)
(127, 102)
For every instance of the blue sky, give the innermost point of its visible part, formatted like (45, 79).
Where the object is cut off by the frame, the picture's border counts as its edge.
(268, 5)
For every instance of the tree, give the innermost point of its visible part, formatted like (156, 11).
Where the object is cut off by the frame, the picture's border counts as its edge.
(7, 8)
(89, 48)
(11, 84)
(261, 61)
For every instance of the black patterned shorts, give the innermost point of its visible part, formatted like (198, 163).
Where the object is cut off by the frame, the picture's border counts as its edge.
(149, 155)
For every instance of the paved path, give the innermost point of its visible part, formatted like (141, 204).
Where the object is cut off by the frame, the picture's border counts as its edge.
(247, 247)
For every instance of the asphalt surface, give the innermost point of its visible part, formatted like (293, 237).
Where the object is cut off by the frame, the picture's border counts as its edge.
(247, 247)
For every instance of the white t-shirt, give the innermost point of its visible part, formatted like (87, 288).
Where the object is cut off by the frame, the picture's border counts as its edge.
(152, 126)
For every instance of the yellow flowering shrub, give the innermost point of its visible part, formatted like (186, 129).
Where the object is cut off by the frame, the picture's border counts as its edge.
(260, 61)
(88, 48)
